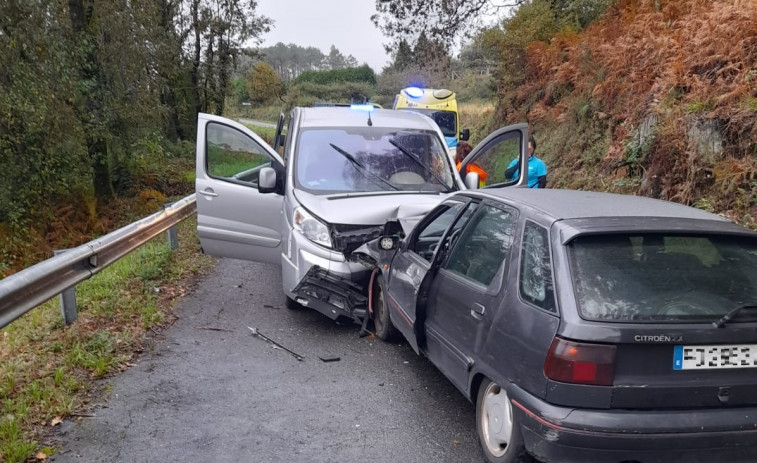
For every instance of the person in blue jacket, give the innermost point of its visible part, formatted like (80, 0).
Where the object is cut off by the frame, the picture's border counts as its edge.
(537, 170)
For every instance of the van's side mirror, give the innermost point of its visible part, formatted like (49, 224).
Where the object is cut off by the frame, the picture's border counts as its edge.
(267, 180)
(471, 180)
(465, 135)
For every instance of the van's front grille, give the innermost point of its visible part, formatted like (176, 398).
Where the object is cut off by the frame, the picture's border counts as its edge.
(347, 238)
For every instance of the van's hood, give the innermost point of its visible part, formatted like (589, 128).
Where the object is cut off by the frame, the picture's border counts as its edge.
(355, 219)
(368, 209)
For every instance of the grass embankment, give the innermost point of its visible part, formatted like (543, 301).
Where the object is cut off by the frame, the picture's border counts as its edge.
(49, 371)
(476, 116)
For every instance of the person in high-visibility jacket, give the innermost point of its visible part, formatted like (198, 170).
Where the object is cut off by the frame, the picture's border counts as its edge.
(463, 149)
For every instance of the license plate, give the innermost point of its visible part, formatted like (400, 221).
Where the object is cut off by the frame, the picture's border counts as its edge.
(714, 357)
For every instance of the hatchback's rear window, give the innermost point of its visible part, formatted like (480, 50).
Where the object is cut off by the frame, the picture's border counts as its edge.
(661, 277)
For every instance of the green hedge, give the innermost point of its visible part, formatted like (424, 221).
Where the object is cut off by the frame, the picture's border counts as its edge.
(362, 73)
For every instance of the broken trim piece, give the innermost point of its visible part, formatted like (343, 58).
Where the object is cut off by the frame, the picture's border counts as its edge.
(331, 295)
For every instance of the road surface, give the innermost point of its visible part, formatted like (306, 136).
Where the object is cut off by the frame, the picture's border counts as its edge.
(209, 390)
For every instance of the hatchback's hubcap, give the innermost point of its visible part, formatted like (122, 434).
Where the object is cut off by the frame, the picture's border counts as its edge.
(496, 420)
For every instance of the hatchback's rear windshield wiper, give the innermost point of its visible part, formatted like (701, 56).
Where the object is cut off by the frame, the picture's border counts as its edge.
(423, 166)
(732, 313)
(364, 170)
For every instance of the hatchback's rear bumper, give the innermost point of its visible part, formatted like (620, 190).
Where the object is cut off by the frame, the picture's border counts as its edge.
(567, 435)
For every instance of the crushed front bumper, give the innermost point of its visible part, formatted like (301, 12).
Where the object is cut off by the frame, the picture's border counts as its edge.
(332, 295)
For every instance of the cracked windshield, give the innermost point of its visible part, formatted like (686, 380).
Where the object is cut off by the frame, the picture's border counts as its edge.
(371, 159)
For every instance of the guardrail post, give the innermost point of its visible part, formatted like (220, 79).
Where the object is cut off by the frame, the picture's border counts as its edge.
(67, 300)
(173, 236)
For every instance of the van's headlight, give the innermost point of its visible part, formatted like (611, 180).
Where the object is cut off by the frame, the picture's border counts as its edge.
(312, 228)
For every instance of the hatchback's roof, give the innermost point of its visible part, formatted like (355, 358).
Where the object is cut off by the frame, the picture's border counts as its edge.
(575, 204)
(349, 117)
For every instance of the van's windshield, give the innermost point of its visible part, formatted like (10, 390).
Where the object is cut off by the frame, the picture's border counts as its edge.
(657, 277)
(333, 160)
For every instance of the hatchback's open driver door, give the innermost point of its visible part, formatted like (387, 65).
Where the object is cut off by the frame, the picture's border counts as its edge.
(234, 219)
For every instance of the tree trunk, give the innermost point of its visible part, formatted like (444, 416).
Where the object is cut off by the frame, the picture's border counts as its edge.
(195, 72)
(81, 12)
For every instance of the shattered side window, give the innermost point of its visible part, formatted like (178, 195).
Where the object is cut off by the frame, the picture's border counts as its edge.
(536, 285)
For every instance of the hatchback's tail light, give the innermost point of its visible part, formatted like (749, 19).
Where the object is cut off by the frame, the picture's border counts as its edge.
(581, 363)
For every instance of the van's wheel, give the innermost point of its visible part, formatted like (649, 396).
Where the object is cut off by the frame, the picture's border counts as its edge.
(385, 330)
(497, 425)
(292, 304)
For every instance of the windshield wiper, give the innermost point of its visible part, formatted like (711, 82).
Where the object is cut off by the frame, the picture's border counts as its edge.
(732, 313)
(364, 170)
(418, 161)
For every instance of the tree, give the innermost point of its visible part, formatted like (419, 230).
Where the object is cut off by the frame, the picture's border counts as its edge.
(336, 60)
(289, 61)
(430, 54)
(403, 57)
(263, 85)
(444, 21)
(218, 29)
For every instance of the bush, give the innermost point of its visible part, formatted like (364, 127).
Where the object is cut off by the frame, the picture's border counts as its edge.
(307, 93)
(362, 74)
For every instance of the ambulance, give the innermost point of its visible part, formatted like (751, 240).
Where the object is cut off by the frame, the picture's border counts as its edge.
(438, 104)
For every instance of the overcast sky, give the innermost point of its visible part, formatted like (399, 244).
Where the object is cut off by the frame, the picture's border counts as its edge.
(346, 24)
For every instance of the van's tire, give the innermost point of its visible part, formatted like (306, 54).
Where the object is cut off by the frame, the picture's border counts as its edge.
(497, 425)
(385, 329)
(291, 304)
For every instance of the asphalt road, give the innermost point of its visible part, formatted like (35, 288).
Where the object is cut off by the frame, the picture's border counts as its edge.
(209, 390)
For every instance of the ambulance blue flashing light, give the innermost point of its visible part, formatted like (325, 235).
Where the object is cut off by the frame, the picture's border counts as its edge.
(414, 92)
(362, 107)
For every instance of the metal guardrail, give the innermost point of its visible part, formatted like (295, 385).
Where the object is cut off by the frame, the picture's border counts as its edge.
(31, 287)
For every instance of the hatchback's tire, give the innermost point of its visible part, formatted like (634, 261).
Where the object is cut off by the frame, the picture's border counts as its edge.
(497, 426)
(385, 330)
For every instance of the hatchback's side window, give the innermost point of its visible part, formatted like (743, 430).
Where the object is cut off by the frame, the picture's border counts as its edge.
(233, 156)
(536, 284)
(427, 239)
(483, 245)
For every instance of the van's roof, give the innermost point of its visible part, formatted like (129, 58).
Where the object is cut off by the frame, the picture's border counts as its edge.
(347, 117)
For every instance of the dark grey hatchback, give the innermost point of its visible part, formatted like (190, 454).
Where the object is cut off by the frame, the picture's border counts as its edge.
(587, 327)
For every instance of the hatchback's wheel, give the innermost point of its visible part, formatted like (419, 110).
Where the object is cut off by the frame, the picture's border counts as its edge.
(497, 425)
(385, 330)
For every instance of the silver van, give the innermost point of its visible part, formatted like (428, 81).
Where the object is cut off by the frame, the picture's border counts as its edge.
(344, 172)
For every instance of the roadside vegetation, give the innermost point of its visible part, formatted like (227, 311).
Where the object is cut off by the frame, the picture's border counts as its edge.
(654, 98)
(50, 372)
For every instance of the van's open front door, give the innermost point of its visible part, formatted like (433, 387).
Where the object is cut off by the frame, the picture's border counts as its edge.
(492, 156)
(234, 219)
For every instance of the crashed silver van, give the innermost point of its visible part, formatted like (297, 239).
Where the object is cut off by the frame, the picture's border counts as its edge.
(343, 174)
